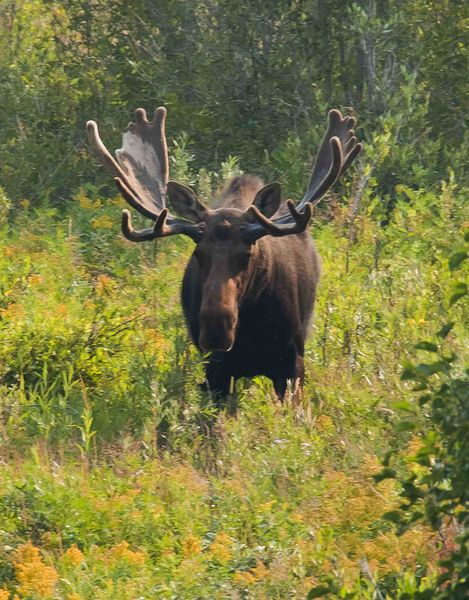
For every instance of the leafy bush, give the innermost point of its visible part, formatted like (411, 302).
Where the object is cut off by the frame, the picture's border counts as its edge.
(436, 490)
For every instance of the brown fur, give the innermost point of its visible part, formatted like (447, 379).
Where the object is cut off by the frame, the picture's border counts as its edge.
(250, 304)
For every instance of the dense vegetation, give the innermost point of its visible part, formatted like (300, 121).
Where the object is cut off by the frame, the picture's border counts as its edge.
(119, 479)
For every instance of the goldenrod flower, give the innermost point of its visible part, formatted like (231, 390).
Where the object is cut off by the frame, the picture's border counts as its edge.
(260, 571)
(191, 545)
(102, 222)
(34, 577)
(267, 506)
(244, 578)
(34, 278)
(86, 202)
(251, 577)
(4, 594)
(298, 518)
(61, 310)
(104, 282)
(221, 547)
(122, 552)
(325, 423)
(74, 556)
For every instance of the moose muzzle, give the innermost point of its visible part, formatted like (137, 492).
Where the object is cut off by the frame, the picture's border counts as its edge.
(218, 317)
(217, 331)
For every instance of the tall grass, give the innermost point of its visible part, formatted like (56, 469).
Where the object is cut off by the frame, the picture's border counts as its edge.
(119, 478)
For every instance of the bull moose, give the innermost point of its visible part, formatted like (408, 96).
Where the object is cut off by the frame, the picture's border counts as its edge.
(250, 285)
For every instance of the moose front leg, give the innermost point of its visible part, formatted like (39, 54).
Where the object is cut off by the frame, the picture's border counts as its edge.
(217, 381)
(294, 373)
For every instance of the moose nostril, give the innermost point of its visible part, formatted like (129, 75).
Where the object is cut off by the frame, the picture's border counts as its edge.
(217, 330)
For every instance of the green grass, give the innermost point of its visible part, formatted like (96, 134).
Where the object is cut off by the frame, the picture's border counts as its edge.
(108, 446)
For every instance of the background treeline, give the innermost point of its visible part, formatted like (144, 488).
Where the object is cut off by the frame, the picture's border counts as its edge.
(252, 79)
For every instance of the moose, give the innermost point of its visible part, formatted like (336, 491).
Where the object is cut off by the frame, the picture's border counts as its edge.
(249, 287)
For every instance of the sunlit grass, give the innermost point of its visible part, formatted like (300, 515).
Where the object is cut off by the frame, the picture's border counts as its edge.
(120, 480)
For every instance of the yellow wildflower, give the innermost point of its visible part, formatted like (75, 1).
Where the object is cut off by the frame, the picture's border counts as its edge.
(370, 465)
(74, 596)
(244, 578)
(325, 423)
(267, 506)
(103, 283)
(117, 201)
(86, 202)
(34, 577)
(74, 556)
(102, 222)
(9, 251)
(298, 518)
(260, 571)
(13, 311)
(4, 594)
(61, 310)
(122, 552)
(221, 548)
(34, 278)
(191, 545)
(251, 577)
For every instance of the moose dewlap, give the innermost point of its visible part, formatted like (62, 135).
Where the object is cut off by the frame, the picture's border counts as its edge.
(249, 288)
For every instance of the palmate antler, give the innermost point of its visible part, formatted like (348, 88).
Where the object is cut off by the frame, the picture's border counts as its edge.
(338, 149)
(141, 172)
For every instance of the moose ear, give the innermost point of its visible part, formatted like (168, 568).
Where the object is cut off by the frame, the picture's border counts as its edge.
(267, 200)
(185, 203)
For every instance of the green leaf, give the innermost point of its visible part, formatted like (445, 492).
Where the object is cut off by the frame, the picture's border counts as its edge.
(393, 515)
(318, 591)
(443, 332)
(409, 372)
(427, 369)
(385, 473)
(456, 259)
(404, 405)
(405, 425)
(428, 346)
(459, 290)
(387, 458)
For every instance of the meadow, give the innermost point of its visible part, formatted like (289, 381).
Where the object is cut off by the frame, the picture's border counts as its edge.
(119, 478)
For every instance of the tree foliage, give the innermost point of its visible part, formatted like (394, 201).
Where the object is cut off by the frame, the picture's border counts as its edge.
(240, 78)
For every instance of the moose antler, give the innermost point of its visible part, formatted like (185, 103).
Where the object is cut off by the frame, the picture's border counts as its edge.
(300, 221)
(141, 172)
(338, 149)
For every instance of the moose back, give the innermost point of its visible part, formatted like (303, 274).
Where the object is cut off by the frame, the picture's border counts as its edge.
(249, 288)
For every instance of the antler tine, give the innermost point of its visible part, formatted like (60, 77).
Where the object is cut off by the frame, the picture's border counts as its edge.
(301, 220)
(159, 229)
(338, 149)
(335, 169)
(164, 226)
(106, 157)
